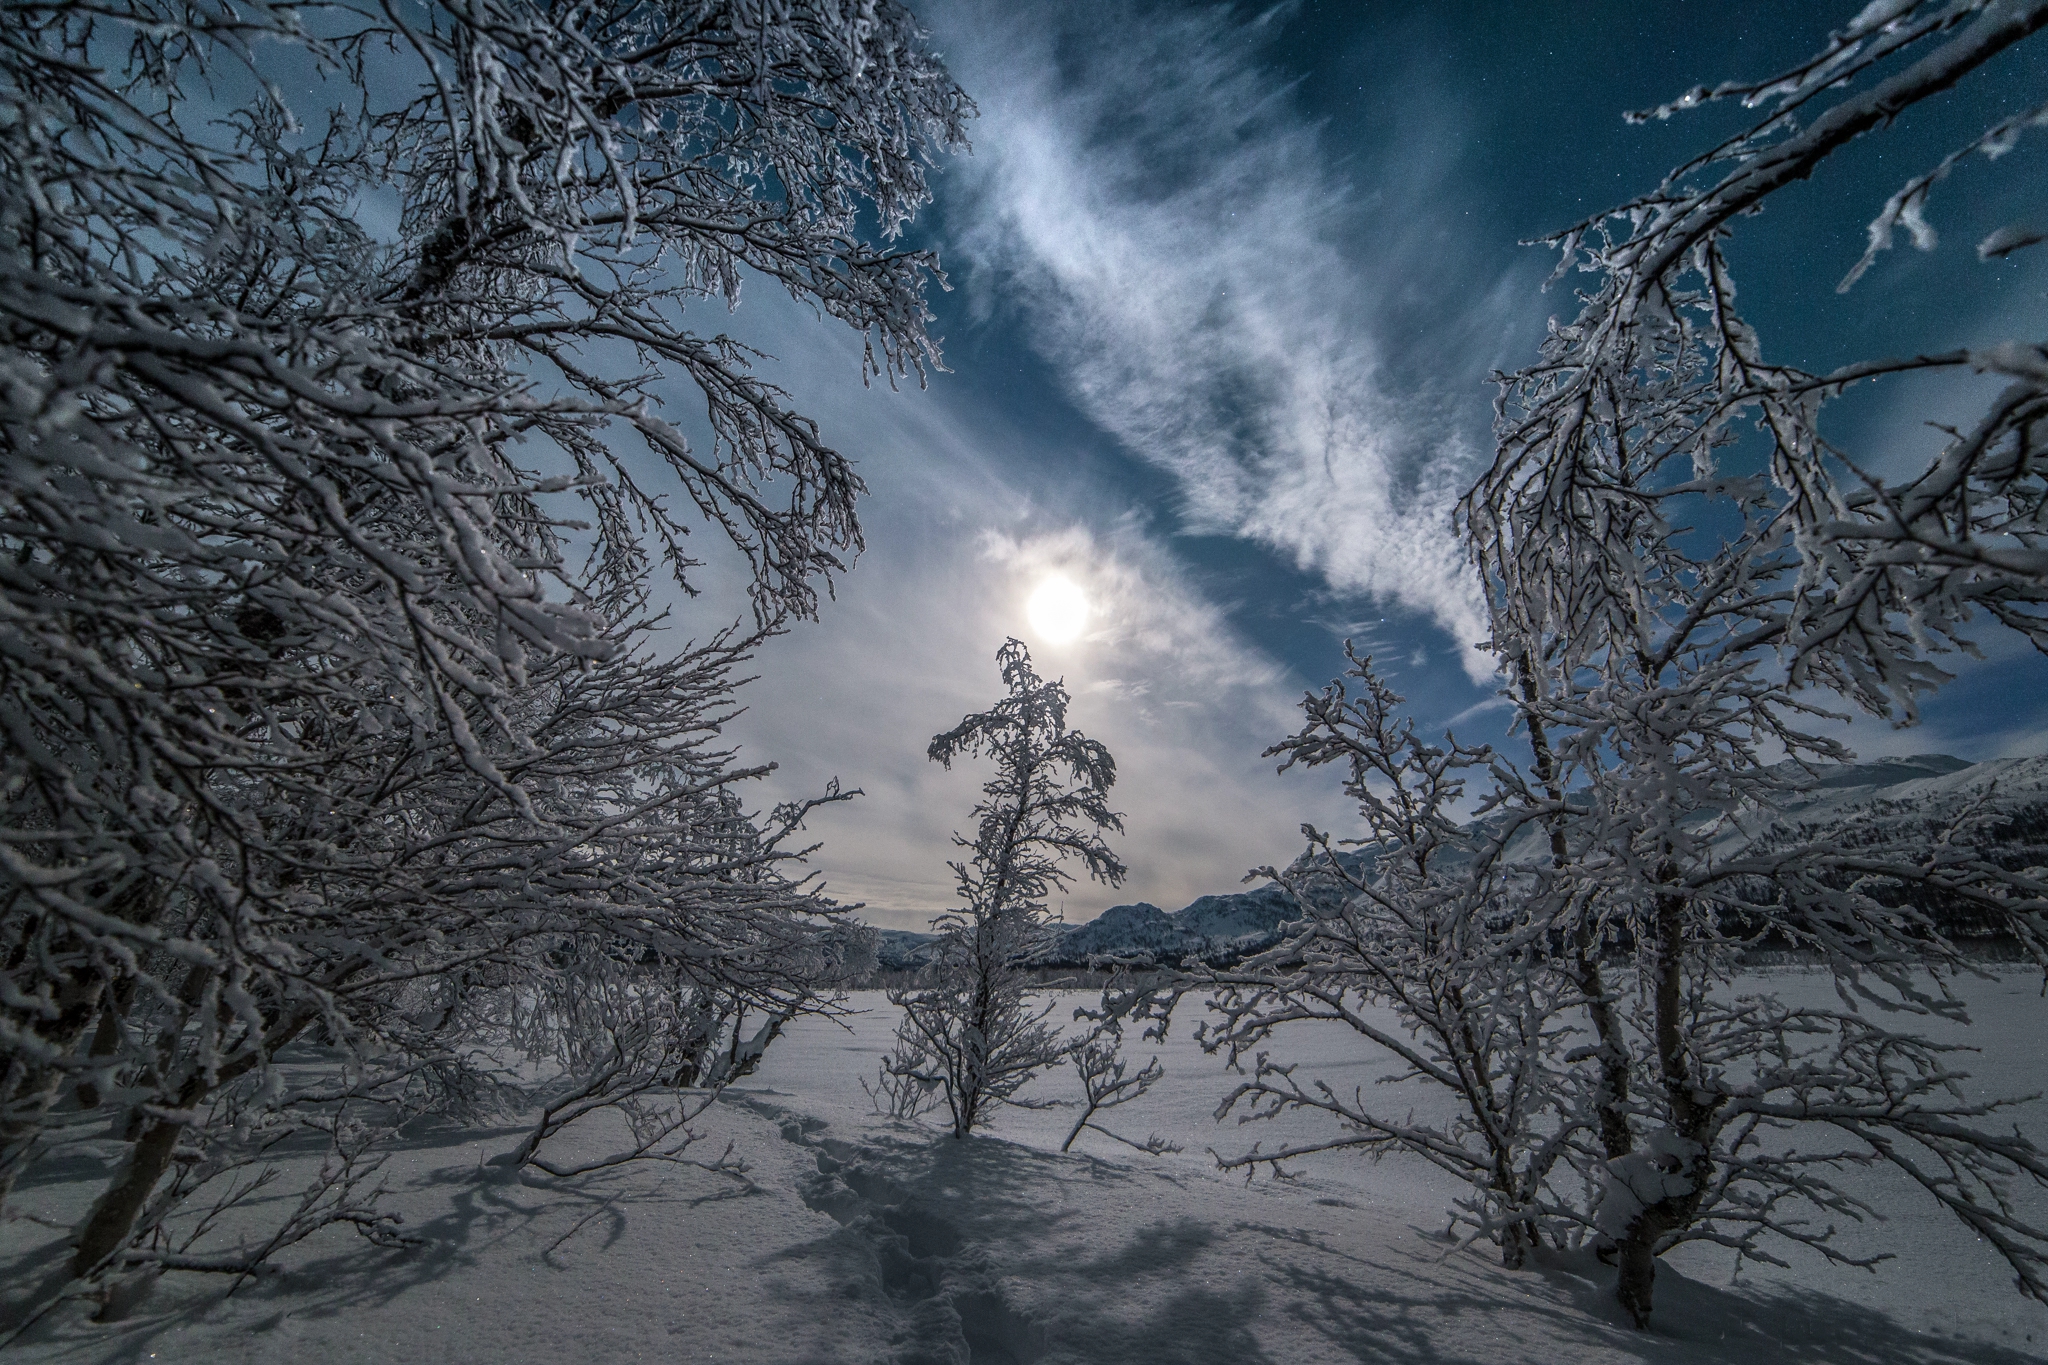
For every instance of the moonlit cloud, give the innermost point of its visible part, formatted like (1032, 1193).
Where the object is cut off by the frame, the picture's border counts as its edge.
(961, 528)
(1207, 288)
(1147, 617)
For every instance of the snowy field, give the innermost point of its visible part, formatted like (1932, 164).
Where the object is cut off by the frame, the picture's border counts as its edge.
(864, 1240)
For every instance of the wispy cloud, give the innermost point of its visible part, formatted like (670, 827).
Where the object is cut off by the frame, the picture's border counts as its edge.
(1211, 290)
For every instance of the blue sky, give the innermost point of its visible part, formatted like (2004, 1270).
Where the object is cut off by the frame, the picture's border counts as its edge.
(1227, 287)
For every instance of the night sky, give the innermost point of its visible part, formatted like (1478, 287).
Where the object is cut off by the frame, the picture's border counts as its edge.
(1228, 284)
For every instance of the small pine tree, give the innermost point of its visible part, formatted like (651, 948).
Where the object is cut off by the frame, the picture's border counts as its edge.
(973, 1030)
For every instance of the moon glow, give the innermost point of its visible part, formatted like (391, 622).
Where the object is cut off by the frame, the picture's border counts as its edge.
(1058, 611)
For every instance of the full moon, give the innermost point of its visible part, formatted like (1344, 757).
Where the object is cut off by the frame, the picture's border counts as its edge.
(1058, 611)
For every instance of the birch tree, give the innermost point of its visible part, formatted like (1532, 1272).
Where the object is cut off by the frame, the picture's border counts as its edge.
(1888, 568)
(1421, 945)
(1685, 609)
(975, 1032)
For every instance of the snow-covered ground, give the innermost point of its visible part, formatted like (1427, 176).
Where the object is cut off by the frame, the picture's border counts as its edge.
(865, 1240)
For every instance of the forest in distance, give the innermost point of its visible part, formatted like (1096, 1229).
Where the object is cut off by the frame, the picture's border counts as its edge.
(400, 949)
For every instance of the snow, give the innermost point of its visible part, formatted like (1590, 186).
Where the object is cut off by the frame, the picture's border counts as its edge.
(866, 1240)
(1643, 1179)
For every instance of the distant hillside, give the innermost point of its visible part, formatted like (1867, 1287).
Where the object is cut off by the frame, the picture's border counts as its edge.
(1211, 927)
(1997, 810)
(1901, 804)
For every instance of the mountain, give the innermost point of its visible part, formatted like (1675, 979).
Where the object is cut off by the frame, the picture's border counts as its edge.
(1210, 927)
(1896, 804)
(1215, 928)
(901, 950)
(1892, 772)
(1998, 811)
(1126, 931)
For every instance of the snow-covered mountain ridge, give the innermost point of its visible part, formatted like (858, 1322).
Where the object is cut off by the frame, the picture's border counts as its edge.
(1209, 926)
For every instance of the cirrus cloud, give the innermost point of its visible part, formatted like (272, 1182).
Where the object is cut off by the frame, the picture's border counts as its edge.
(1215, 295)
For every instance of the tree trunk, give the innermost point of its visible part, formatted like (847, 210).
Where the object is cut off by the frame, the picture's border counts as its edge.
(112, 1218)
(106, 1038)
(1673, 1058)
(1612, 1102)
(1637, 1259)
(1516, 1242)
(114, 1212)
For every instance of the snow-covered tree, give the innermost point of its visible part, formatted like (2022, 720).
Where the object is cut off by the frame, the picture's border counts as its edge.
(1671, 733)
(1420, 943)
(1566, 963)
(975, 1030)
(1683, 608)
(326, 667)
